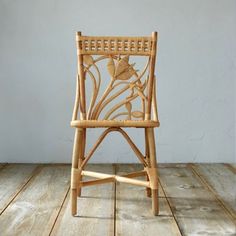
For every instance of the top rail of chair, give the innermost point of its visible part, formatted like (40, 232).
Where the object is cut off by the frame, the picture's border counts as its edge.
(115, 45)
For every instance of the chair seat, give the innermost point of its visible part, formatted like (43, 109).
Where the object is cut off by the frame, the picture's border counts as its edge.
(114, 123)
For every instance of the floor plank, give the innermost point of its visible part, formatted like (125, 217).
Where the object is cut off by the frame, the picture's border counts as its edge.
(35, 208)
(196, 209)
(171, 165)
(95, 210)
(231, 167)
(133, 210)
(2, 165)
(222, 182)
(35, 202)
(12, 178)
(234, 165)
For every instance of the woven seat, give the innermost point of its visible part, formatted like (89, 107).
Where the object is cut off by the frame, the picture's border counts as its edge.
(113, 92)
(114, 123)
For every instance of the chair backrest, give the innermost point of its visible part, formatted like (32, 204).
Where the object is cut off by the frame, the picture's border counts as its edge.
(125, 84)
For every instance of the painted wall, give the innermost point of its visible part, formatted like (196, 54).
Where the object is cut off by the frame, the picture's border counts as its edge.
(196, 72)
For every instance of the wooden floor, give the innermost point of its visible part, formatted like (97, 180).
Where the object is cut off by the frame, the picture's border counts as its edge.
(195, 199)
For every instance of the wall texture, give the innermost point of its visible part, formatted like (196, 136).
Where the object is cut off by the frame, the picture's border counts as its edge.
(196, 70)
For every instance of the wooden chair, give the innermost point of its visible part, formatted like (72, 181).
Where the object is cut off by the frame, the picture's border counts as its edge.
(123, 81)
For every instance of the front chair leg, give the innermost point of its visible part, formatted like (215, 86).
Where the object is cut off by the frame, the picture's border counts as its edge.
(75, 171)
(81, 159)
(153, 171)
(148, 190)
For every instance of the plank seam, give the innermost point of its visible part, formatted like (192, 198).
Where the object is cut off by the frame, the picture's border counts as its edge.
(3, 165)
(59, 211)
(231, 168)
(115, 170)
(34, 173)
(168, 202)
(205, 183)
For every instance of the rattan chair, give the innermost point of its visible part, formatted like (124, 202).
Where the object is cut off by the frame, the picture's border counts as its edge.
(113, 108)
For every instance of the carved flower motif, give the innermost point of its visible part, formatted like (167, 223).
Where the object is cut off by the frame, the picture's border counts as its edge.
(123, 70)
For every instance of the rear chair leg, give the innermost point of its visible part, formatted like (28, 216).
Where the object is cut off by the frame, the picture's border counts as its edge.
(75, 171)
(153, 171)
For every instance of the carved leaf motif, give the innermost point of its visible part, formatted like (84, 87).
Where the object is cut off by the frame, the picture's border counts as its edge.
(126, 74)
(122, 65)
(88, 60)
(124, 70)
(111, 67)
(137, 114)
(128, 106)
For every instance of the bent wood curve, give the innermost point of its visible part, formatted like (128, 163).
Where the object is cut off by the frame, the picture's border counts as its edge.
(125, 135)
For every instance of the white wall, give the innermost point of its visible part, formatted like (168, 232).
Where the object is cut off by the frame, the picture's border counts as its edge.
(196, 72)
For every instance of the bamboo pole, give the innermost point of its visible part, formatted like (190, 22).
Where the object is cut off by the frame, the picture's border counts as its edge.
(154, 101)
(151, 75)
(82, 78)
(97, 181)
(116, 178)
(75, 172)
(130, 142)
(152, 171)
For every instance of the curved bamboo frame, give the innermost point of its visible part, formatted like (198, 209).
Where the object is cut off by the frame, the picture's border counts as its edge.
(121, 74)
(125, 135)
(124, 77)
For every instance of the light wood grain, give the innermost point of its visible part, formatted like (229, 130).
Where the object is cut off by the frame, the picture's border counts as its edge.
(116, 51)
(34, 210)
(125, 86)
(12, 178)
(2, 165)
(234, 165)
(222, 181)
(196, 209)
(95, 210)
(113, 123)
(112, 178)
(133, 213)
(110, 45)
(171, 165)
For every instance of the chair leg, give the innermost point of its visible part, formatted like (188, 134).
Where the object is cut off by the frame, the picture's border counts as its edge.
(75, 171)
(148, 190)
(81, 158)
(153, 171)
